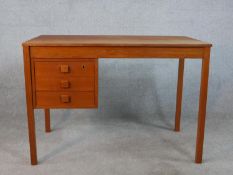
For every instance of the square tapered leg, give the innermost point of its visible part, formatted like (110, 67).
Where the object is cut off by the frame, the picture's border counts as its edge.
(202, 106)
(30, 109)
(47, 120)
(179, 94)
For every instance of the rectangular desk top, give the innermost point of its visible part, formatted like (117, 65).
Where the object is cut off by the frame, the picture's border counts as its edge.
(115, 40)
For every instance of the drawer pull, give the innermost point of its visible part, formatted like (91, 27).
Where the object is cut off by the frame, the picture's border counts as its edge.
(65, 98)
(65, 84)
(65, 68)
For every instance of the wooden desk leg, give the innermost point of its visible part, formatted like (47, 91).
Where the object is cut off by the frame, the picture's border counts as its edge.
(179, 94)
(47, 120)
(32, 136)
(202, 105)
(30, 110)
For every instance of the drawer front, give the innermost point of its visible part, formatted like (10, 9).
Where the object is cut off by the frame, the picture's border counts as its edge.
(64, 83)
(65, 99)
(64, 68)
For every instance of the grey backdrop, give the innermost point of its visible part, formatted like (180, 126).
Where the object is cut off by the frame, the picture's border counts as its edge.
(141, 90)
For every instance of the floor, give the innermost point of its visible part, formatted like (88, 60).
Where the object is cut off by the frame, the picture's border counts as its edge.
(85, 142)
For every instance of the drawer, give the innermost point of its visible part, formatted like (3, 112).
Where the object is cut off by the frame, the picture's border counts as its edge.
(85, 83)
(65, 99)
(64, 68)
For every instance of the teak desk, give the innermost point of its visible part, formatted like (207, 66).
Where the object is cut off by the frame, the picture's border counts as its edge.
(62, 72)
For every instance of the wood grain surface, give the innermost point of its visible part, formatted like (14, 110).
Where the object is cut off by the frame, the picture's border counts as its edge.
(112, 40)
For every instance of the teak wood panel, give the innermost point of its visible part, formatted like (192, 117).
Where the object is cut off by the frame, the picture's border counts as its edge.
(65, 99)
(64, 68)
(115, 52)
(65, 83)
(116, 40)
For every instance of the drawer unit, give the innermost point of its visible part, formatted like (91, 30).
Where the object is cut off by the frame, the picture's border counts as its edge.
(65, 99)
(65, 83)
